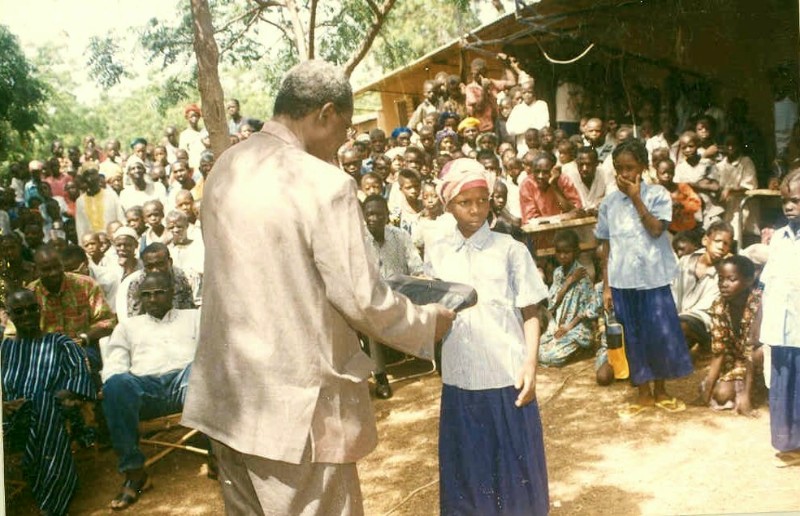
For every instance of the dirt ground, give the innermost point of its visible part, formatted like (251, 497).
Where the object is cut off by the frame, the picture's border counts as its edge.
(694, 462)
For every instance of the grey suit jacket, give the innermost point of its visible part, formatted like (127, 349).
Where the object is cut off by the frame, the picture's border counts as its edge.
(288, 280)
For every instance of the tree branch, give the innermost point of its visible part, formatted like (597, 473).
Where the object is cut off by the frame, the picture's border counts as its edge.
(372, 33)
(312, 25)
(266, 4)
(276, 25)
(253, 11)
(373, 7)
(256, 16)
(297, 28)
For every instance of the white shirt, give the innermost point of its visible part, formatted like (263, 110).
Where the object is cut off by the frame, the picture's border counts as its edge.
(780, 303)
(189, 258)
(144, 345)
(130, 196)
(591, 196)
(486, 346)
(569, 97)
(524, 117)
(686, 173)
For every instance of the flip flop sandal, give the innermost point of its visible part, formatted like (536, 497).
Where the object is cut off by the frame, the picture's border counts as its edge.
(786, 459)
(631, 410)
(671, 405)
(130, 493)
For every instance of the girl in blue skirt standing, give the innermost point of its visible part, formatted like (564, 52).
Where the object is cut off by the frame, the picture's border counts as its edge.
(491, 451)
(638, 267)
(780, 326)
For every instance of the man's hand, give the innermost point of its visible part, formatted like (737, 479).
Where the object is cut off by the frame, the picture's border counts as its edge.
(444, 321)
(526, 382)
(9, 407)
(560, 332)
(555, 173)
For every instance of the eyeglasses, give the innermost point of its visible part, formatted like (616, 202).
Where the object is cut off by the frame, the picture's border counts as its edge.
(153, 293)
(32, 308)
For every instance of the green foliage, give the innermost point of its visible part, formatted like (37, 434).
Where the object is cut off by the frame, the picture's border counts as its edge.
(21, 97)
(102, 61)
(415, 27)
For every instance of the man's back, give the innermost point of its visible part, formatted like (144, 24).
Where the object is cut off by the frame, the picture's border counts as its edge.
(278, 360)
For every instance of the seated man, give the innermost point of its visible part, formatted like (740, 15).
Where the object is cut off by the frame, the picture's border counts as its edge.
(71, 303)
(147, 364)
(40, 370)
(155, 258)
(396, 255)
(546, 191)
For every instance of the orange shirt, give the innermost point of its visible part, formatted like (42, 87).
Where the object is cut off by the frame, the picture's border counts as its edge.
(683, 218)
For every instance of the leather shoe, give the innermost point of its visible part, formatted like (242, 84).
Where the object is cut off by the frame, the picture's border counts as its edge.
(383, 391)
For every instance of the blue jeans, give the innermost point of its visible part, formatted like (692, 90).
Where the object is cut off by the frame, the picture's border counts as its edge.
(128, 398)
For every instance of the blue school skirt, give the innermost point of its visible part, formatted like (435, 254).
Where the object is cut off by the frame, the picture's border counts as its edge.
(784, 398)
(654, 342)
(491, 455)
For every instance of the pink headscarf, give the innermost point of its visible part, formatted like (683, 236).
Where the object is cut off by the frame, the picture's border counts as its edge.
(459, 176)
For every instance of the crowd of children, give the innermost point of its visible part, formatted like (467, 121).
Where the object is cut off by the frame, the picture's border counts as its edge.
(452, 195)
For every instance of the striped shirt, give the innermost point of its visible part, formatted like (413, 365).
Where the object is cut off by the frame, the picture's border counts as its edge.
(35, 369)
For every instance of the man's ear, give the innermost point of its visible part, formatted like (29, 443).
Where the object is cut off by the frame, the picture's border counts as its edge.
(326, 112)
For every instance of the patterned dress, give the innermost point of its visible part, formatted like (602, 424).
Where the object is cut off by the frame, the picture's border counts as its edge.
(580, 300)
(734, 344)
(35, 369)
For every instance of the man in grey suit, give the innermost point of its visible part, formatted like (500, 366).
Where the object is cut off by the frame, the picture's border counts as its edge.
(279, 380)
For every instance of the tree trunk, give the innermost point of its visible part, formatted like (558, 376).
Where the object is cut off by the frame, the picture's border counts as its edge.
(211, 95)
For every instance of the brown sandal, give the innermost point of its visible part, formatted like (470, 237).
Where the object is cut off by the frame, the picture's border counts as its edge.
(130, 493)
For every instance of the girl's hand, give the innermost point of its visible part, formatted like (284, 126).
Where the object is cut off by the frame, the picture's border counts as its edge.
(711, 151)
(526, 381)
(744, 408)
(608, 302)
(577, 275)
(629, 188)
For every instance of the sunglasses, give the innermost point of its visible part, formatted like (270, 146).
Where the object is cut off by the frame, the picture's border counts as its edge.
(153, 292)
(32, 308)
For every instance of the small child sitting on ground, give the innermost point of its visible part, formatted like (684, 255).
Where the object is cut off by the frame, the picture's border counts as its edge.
(572, 303)
(729, 382)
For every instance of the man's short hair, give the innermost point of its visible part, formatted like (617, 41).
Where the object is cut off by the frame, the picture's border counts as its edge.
(375, 198)
(487, 154)
(177, 216)
(409, 175)
(160, 277)
(589, 151)
(155, 247)
(73, 252)
(309, 86)
(417, 152)
(377, 133)
(719, 226)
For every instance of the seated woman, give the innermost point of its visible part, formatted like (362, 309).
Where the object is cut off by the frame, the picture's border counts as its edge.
(40, 371)
(572, 303)
(729, 382)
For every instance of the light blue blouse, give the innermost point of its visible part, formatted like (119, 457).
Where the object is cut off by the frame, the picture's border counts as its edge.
(636, 259)
(780, 304)
(486, 346)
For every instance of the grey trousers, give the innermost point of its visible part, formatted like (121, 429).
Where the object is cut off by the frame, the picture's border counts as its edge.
(256, 486)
